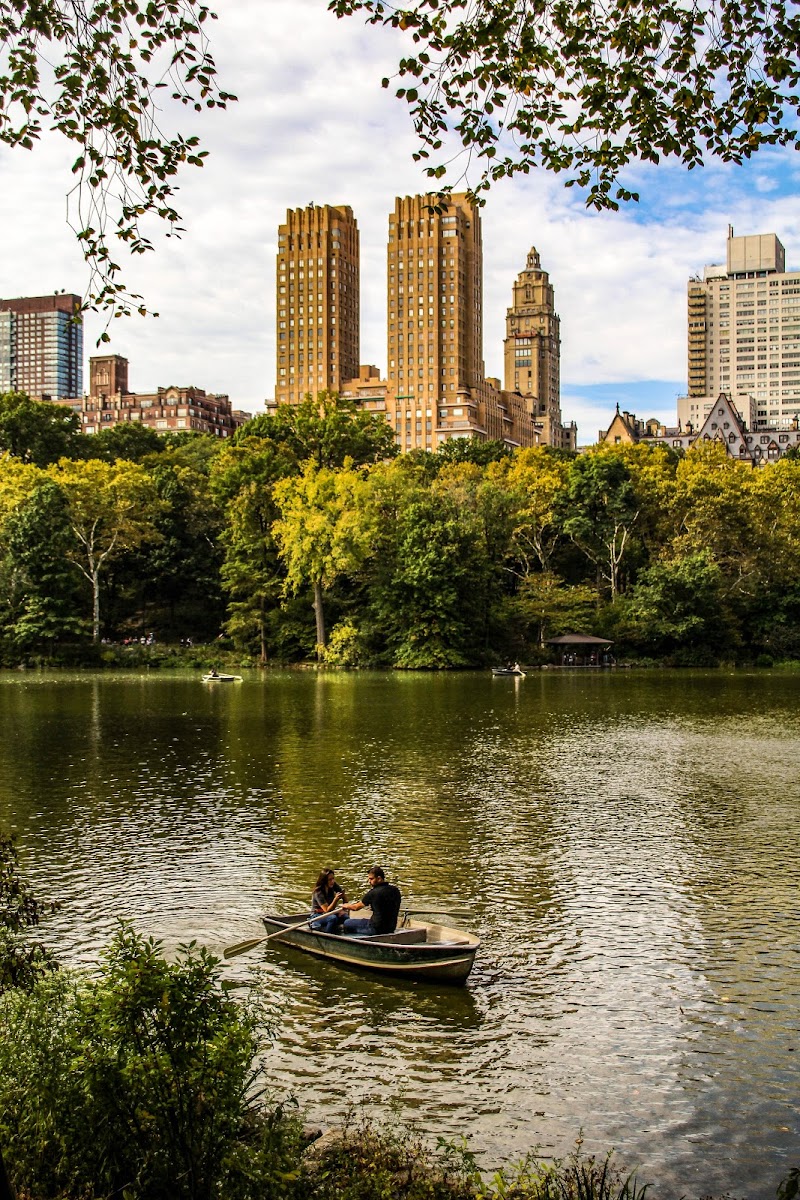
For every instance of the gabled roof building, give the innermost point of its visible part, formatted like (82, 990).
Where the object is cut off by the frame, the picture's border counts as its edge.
(723, 424)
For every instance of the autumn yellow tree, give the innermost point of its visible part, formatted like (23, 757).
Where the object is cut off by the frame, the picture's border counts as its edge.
(321, 532)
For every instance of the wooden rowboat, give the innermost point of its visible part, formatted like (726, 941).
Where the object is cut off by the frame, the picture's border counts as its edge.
(417, 950)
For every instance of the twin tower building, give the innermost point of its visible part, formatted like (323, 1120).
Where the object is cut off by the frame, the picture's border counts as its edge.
(435, 386)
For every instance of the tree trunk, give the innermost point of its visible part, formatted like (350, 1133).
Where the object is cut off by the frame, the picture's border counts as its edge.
(6, 1186)
(319, 613)
(262, 632)
(95, 606)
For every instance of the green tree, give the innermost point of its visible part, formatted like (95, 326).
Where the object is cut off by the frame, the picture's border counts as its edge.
(599, 510)
(713, 512)
(425, 574)
(128, 440)
(321, 533)
(111, 508)
(480, 451)
(327, 431)
(252, 574)
(546, 607)
(37, 431)
(678, 608)
(89, 70)
(589, 89)
(536, 480)
(41, 587)
(173, 579)
(486, 508)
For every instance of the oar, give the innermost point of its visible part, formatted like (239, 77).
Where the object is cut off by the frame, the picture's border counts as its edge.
(251, 943)
(439, 912)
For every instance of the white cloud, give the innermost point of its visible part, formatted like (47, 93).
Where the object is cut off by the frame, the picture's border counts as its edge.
(313, 123)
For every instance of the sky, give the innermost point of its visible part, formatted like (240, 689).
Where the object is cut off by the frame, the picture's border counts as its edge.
(312, 123)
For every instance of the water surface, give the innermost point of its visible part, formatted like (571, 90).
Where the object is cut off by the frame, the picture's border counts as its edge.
(625, 843)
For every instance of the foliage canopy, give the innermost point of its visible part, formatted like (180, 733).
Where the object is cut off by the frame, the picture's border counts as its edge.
(101, 73)
(589, 88)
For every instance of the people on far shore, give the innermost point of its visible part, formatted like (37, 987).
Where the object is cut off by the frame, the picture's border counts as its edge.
(383, 898)
(327, 896)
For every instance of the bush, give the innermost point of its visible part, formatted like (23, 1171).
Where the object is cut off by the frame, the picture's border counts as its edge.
(361, 1162)
(22, 961)
(364, 1163)
(138, 1084)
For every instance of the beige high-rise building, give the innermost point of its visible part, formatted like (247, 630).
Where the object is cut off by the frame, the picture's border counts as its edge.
(435, 317)
(744, 332)
(532, 346)
(317, 310)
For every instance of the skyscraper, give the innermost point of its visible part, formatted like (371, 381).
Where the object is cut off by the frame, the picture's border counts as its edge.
(744, 332)
(317, 301)
(435, 315)
(41, 346)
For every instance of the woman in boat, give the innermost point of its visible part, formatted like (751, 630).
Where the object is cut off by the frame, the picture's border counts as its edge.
(326, 896)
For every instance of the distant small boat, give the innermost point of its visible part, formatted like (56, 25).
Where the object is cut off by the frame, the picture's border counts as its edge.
(417, 950)
(218, 677)
(508, 671)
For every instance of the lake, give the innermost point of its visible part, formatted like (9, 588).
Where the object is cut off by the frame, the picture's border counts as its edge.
(627, 844)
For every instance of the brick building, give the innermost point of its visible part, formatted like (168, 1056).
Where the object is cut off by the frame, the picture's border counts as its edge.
(171, 409)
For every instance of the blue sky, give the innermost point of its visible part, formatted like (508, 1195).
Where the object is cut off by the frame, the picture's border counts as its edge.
(314, 124)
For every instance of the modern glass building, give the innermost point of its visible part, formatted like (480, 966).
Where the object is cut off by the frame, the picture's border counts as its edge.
(41, 346)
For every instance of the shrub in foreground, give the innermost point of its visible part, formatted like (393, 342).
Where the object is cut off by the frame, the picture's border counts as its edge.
(364, 1163)
(138, 1084)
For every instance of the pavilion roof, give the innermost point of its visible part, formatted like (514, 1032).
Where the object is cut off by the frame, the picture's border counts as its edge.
(579, 639)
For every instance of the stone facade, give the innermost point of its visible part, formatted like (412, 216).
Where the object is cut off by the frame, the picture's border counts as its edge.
(532, 352)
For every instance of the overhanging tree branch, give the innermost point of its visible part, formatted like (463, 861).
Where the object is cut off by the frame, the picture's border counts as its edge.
(588, 88)
(92, 70)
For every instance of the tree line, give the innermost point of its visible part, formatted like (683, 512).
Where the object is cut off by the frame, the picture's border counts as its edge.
(307, 536)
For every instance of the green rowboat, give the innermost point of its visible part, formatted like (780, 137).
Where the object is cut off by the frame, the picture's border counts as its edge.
(417, 950)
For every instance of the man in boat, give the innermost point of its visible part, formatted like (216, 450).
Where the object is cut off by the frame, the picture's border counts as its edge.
(383, 898)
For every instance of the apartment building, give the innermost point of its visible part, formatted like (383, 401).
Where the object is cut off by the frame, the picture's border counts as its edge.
(435, 386)
(434, 337)
(317, 310)
(744, 332)
(167, 410)
(41, 346)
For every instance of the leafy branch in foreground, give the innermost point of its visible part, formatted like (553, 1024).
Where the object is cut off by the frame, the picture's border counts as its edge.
(91, 70)
(589, 87)
(22, 962)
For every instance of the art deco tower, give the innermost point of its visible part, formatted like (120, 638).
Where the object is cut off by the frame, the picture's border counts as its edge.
(532, 345)
(317, 301)
(435, 311)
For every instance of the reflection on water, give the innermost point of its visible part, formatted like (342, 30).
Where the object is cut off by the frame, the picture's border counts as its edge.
(626, 845)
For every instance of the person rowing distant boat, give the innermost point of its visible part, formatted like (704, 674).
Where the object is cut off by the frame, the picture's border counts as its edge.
(326, 896)
(383, 898)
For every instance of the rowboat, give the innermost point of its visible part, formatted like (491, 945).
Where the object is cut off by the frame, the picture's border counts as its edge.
(508, 671)
(417, 950)
(216, 677)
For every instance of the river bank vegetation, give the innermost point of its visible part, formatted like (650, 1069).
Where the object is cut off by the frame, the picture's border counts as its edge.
(307, 538)
(147, 1079)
